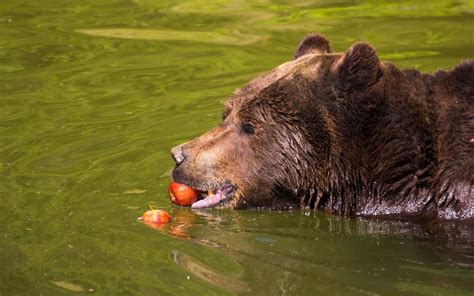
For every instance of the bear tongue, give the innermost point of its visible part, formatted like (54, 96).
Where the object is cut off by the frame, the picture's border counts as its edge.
(213, 199)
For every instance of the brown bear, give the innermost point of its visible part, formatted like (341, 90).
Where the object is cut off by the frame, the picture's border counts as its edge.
(342, 133)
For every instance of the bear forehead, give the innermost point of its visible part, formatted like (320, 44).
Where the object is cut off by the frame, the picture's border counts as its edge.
(308, 65)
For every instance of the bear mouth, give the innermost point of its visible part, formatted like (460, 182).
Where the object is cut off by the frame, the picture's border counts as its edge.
(214, 198)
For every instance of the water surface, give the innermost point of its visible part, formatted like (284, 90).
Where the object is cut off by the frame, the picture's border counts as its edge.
(93, 94)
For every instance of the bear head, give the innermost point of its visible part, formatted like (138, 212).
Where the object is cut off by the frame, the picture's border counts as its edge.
(279, 138)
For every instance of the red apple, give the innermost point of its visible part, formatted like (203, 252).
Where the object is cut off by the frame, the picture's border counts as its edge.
(181, 194)
(155, 217)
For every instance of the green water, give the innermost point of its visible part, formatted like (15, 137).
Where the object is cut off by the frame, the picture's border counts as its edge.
(93, 94)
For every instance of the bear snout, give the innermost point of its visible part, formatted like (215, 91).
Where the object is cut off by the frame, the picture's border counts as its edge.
(177, 153)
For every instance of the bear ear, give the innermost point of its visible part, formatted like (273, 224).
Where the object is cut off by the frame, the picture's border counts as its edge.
(312, 43)
(358, 68)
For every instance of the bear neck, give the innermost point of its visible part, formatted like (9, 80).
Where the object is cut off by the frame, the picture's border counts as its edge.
(382, 147)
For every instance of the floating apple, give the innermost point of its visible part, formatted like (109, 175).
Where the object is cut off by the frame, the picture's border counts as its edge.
(181, 194)
(155, 217)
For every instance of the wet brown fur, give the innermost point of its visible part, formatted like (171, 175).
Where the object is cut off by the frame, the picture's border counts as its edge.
(344, 133)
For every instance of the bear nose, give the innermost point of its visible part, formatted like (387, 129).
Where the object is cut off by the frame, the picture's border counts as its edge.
(178, 154)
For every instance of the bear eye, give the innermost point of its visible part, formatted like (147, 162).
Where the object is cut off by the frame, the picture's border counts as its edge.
(248, 128)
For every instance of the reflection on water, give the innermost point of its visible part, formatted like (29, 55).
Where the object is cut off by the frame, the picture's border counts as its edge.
(363, 255)
(94, 94)
(203, 272)
(228, 38)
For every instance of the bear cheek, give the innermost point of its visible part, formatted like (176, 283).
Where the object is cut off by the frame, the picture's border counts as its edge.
(234, 162)
(214, 162)
(232, 166)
